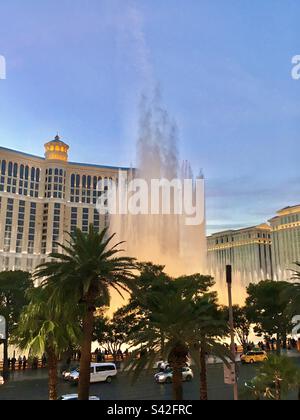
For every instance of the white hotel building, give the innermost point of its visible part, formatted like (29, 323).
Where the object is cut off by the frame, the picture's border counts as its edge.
(267, 251)
(285, 241)
(43, 198)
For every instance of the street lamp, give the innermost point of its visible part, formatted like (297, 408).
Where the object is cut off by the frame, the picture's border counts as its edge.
(231, 324)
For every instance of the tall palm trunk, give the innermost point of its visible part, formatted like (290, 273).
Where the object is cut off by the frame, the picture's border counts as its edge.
(277, 389)
(86, 350)
(203, 375)
(177, 360)
(177, 382)
(52, 372)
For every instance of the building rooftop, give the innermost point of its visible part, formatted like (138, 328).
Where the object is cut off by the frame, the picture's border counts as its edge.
(89, 165)
(263, 226)
(289, 210)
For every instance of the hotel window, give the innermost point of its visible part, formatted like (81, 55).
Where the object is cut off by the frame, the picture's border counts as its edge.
(18, 262)
(8, 225)
(29, 264)
(74, 215)
(12, 178)
(86, 189)
(55, 229)
(75, 188)
(2, 175)
(45, 232)
(96, 220)
(85, 220)
(20, 228)
(31, 235)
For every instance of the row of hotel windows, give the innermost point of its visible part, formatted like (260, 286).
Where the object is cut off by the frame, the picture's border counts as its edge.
(22, 179)
(20, 226)
(18, 263)
(55, 227)
(290, 219)
(55, 183)
(32, 225)
(256, 235)
(85, 220)
(19, 179)
(87, 189)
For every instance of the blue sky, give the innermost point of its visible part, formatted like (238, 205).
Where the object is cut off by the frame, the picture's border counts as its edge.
(224, 67)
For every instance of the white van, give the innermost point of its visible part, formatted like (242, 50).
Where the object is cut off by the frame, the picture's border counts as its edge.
(100, 372)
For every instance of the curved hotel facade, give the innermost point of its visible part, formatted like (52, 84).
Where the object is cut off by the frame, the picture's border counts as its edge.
(285, 241)
(267, 251)
(43, 198)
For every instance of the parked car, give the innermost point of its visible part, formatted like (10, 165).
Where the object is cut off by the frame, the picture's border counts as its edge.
(1, 380)
(166, 377)
(162, 366)
(100, 372)
(254, 357)
(66, 373)
(74, 397)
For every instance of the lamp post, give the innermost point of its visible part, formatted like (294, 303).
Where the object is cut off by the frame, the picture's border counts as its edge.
(231, 324)
(4, 341)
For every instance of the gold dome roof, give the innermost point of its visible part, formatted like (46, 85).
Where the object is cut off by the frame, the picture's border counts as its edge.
(56, 150)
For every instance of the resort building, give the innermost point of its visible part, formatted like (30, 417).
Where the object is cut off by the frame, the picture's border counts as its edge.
(267, 251)
(43, 198)
(247, 250)
(285, 241)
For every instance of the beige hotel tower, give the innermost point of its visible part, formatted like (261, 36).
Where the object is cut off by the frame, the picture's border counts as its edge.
(43, 198)
(267, 251)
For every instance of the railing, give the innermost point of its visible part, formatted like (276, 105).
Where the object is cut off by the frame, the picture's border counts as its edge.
(41, 365)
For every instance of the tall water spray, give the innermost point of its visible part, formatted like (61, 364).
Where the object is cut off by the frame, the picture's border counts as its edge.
(161, 238)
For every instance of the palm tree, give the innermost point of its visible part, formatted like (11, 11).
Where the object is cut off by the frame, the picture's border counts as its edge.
(175, 318)
(295, 289)
(280, 374)
(166, 334)
(13, 287)
(43, 329)
(83, 274)
(210, 328)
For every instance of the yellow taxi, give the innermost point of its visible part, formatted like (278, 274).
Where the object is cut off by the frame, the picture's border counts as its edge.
(255, 356)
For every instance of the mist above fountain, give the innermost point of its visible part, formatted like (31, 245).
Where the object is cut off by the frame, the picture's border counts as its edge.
(161, 238)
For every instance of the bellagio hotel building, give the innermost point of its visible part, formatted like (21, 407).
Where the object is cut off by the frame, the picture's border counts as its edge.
(43, 198)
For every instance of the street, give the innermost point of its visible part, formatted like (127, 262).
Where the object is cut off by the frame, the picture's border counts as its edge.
(32, 385)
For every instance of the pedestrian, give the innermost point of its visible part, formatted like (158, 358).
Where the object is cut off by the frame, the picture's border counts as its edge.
(20, 362)
(13, 364)
(35, 363)
(44, 361)
(24, 363)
